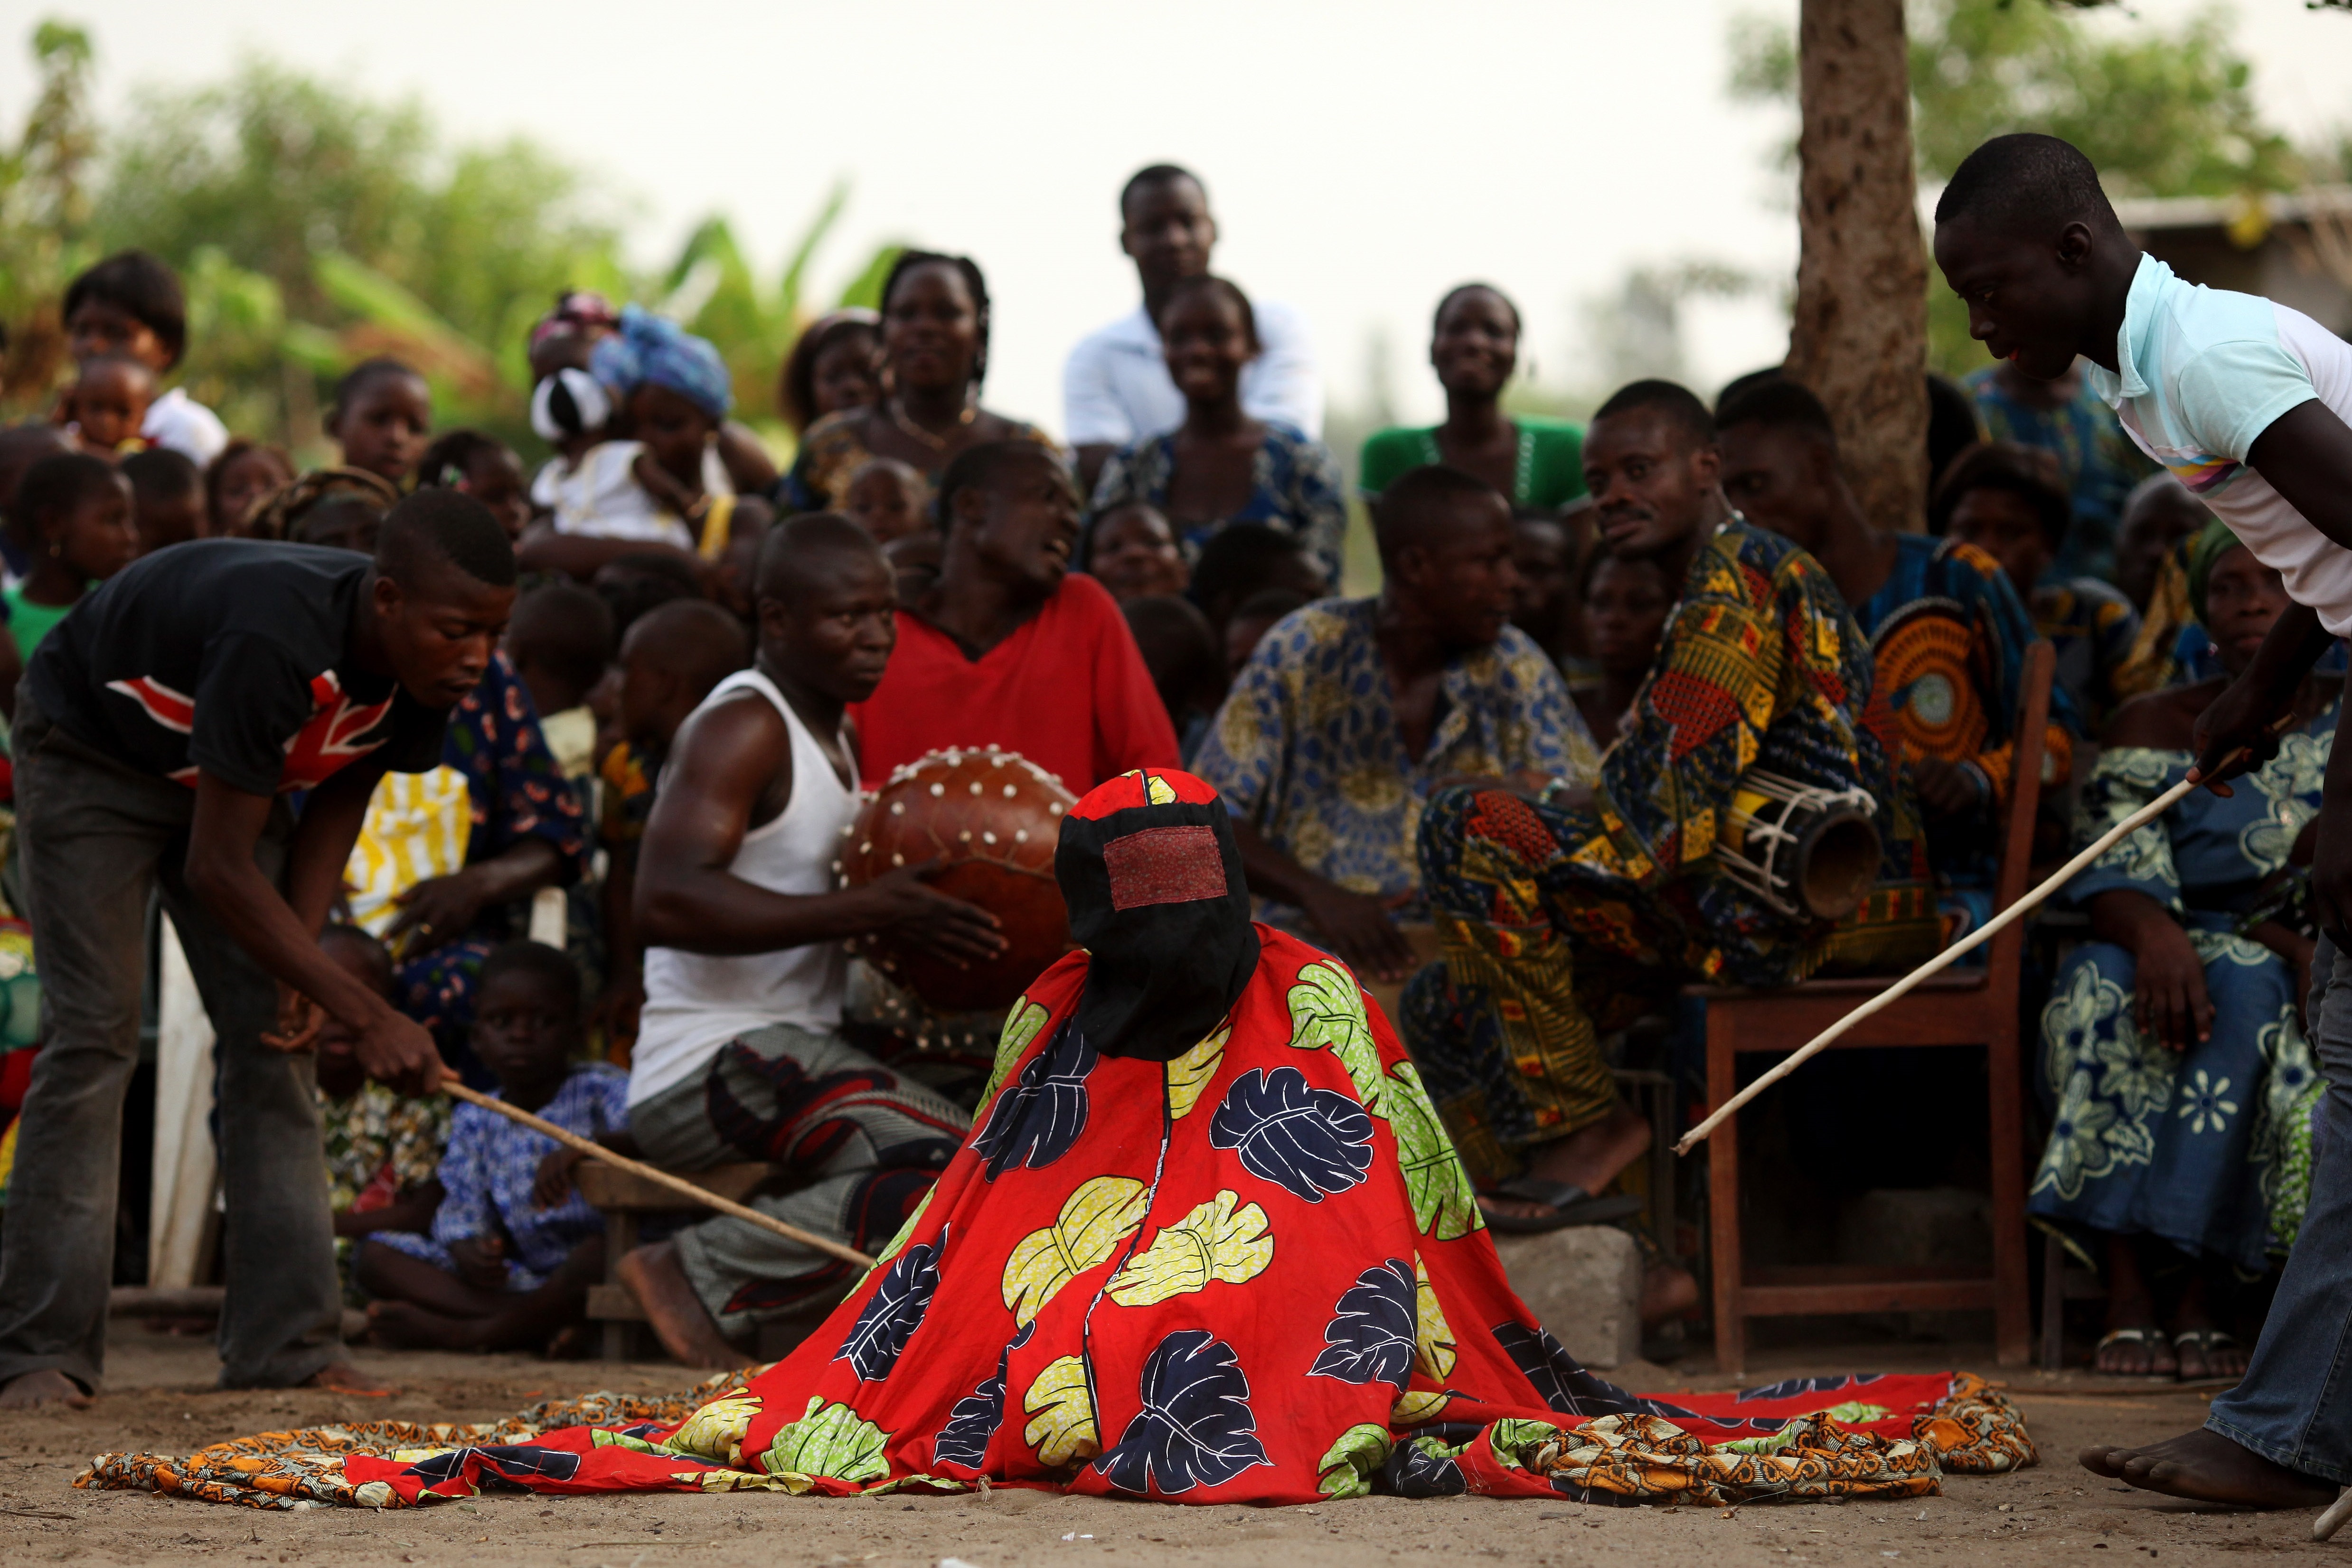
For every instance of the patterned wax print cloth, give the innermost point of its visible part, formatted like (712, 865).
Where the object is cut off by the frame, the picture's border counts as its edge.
(1562, 920)
(2098, 460)
(2209, 1147)
(20, 1032)
(1307, 750)
(379, 1144)
(2092, 628)
(1253, 1273)
(1296, 486)
(487, 1174)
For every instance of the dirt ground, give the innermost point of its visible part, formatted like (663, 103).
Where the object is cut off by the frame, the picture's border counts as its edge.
(160, 1398)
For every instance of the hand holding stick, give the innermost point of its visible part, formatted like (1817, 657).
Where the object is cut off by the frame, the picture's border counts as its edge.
(679, 1184)
(1950, 956)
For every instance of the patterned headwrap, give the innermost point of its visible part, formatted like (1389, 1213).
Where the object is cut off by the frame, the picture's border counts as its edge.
(648, 348)
(1152, 877)
(582, 310)
(2208, 544)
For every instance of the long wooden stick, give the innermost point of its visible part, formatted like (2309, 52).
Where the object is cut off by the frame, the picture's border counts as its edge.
(679, 1185)
(1945, 959)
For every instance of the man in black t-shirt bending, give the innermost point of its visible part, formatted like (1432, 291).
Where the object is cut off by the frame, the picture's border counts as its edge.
(158, 732)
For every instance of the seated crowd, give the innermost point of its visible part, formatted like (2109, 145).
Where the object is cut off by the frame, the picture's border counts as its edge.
(1495, 786)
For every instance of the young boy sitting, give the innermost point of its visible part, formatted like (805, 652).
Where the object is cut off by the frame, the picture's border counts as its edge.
(108, 403)
(513, 1246)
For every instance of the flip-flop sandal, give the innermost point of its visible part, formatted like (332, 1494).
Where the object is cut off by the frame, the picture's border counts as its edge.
(1570, 1206)
(2149, 1336)
(2206, 1342)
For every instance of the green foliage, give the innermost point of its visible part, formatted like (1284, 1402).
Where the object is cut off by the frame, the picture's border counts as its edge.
(44, 203)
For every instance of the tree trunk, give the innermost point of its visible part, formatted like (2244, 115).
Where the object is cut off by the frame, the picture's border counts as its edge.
(1860, 336)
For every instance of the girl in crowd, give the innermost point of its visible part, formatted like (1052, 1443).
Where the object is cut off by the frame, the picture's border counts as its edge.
(1626, 601)
(935, 320)
(1475, 349)
(77, 518)
(831, 369)
(382, 414)
(132, 304)
(485, 468)
(1220, 466)
(245, 471)
(2173, 1045)
(1132, 552)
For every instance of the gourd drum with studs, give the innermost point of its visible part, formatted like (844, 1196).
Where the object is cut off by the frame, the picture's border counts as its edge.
(990, 819)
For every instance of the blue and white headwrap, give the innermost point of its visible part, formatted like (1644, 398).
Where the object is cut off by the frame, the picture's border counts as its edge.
(648, 348)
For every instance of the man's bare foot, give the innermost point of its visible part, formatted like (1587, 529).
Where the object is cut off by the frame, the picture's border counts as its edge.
(1668, 1291)
(31, 1390)
(342, 1377)
(404, 1325)
(2206, 1466)
(1589, 1157)
(655, 1277)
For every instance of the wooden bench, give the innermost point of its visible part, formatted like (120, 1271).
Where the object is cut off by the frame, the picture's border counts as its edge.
(624, 1199)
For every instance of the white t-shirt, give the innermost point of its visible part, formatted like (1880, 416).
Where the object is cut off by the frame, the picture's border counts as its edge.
(1116, 389)
(697, 1002)
(599, 496)
(2199, 374)
(182, 425)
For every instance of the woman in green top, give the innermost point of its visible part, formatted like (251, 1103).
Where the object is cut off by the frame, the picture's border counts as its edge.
(76, 516)
(1537, 462)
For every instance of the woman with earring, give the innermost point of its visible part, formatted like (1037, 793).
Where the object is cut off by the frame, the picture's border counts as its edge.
(934, 355)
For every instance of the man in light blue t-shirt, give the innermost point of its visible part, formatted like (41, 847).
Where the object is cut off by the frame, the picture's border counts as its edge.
(2247, 402)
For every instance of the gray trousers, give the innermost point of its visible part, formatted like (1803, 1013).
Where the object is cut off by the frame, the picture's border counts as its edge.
(2294, 1406)
(95, 838)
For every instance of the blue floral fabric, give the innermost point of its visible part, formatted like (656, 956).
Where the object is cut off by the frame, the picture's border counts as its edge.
(1296, 487)
(2209, 1147)
(1308, 752)
(487, 1174)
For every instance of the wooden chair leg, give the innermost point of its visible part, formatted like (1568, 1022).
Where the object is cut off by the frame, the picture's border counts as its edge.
(1723, 1202)
(2013, 1314)
(620, 1236)
(2053, 1305)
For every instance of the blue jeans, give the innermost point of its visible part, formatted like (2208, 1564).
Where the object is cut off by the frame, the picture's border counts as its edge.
(2294, 1406)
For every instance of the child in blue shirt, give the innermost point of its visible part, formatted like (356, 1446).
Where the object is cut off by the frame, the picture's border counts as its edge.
(2246, 401)
(514, 1247)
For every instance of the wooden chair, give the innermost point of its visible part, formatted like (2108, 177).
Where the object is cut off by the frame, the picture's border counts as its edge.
(1957, 1006)
(624, 1198)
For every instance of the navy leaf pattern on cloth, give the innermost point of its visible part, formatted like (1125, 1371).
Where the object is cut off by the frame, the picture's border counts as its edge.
(1561, 1381)
(1790, 1388)
(1195, 1429)
(973, 1421)
(1313, 1142)
(1423, 1466)
(501, 1464)
(894, 1311)
(1369, 1338)
(1040, 1114)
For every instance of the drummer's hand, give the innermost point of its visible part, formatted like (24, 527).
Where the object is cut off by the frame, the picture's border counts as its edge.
(2236, 732)
(1355, 925)
(909, 908)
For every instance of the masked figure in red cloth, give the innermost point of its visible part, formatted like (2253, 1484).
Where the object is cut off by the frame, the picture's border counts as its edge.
(1207, 1242)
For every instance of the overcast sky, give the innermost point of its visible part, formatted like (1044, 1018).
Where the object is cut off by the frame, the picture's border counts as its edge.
(1361, 155)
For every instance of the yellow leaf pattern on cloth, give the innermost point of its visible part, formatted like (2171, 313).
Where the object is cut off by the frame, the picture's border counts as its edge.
(830, 1440)
(1418, 1406)
(716, 1431)
(1062, 1415)
(1326, 1013)
(1095, 1221)
(740, 1481)
(1189, 1074)
(1215, 1242)
(1021, 1027)
(1158, 791)
(1347, 1466)
(1432, 1353)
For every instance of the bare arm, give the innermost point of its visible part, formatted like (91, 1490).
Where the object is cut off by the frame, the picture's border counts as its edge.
(1356, 924)
(222, 872)
(723, 762)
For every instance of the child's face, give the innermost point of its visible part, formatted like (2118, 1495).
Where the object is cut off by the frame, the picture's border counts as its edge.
(109, 401)
(878, 500)
(98, 328)
(1625, 606)
(2004, 525)
(843, 376)
(248, 476)
(1134, 555)
(101, 535)
(673, 429)
(169, 519)
(526, 1027)
(384, 429)
(495, 479)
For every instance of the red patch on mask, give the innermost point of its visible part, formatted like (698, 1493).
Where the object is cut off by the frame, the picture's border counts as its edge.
(1165, 865)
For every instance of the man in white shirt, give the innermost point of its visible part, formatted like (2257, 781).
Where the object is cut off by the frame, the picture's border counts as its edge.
(1115, 387)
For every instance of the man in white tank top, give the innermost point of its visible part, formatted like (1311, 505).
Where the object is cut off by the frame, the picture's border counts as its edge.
(737, 1057)
(2250, 404)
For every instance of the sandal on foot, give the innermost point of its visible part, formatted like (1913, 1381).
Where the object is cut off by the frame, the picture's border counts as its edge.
(2206, 1342)
(2146, 1336)
(1569, 1205)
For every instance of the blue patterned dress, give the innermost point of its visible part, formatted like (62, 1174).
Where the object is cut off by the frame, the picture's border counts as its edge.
(1296, 486)
(2208, 1147)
